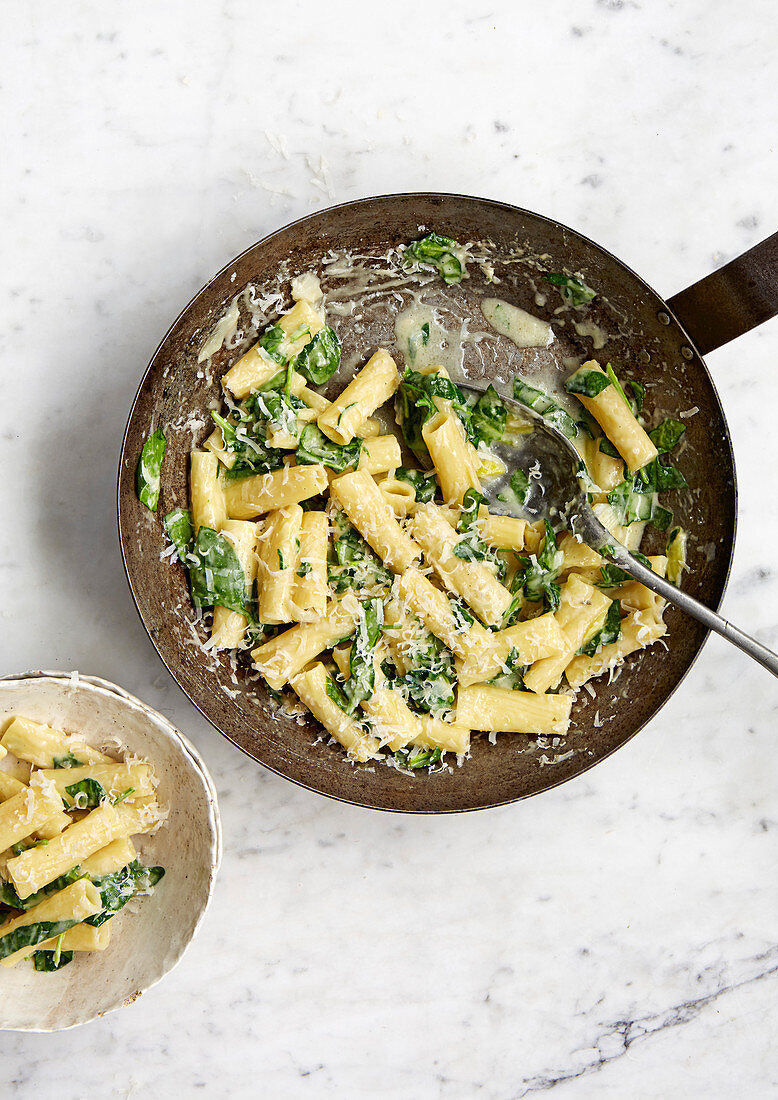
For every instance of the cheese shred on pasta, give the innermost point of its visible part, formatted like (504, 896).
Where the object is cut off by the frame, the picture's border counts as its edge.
(362, 570)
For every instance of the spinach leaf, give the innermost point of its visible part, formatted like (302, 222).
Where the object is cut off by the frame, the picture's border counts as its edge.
(417, 758)
(667, 435)
(178, 525)
(320, 358)
(638, 395)
(245, 434)
(635, 500)
(619, 389)
(537, 573)
(435, 251)
(513, 679)
(416, 405)
(517, 494)
(607, 448)
(609, 633)
(148, 475)
(463, 618)
(611, 575)
(572, 289)
(418, 340)
(471, 547)
(48, 961)
(430, 682)
(488, 417)
(28, 935)
(424, 485)
(588, 383)
(361, 682)
(216, 575)
(117, 888)
(87, 793)
(658, 478)
(334, 692)
(277, 410)
(355, 565)
(9, 896)
(270, 341)
(66, 761)
(314, 447)
(543, 404)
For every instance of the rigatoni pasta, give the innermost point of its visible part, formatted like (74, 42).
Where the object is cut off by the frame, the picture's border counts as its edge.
(378, 591)
(68, 862)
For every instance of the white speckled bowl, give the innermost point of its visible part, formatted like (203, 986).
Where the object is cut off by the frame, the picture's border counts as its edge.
(147, 942)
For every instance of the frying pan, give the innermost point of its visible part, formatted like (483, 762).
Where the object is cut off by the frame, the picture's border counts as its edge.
(657, 342)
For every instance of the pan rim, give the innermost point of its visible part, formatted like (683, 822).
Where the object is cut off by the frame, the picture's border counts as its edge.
(426, 196)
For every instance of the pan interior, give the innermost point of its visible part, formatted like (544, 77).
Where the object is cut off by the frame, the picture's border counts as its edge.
(353, 249)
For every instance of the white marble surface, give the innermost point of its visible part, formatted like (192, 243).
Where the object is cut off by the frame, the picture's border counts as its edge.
(616, 937)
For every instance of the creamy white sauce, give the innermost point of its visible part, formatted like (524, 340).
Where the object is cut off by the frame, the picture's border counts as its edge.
(223, 330)
(599, 336)
(443, 347)
(307, 288)
(519, 326)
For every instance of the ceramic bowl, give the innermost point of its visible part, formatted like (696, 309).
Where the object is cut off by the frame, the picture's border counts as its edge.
(149, 937)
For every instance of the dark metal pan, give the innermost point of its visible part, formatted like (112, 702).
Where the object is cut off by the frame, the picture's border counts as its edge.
(658, 342)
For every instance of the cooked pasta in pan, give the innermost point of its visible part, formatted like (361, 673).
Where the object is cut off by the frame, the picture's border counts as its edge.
(343, 541)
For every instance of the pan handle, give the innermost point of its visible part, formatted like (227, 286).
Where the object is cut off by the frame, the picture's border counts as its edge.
(732, 300)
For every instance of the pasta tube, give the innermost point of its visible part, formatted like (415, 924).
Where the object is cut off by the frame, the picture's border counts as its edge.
(205, 491)
(532, 640)
(501, 710)
(433, 608)
(380, 454)
(277, 564)
(9, 786)
(253, 496)
(69, 906)
(455, 460)
(81, 937)
(311, 687)
(308, 600)
(582, 610)
(505, 532)
(470, 579)
(115, 778)
(368, 390)
(361, 500)
(284, 656)
(37, 867)
(617, 420)
(638, 629)
(229, 627)
(43, 746)
(27, 811)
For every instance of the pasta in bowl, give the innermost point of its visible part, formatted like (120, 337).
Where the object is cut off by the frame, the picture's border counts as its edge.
(99, 798)
(389, 609)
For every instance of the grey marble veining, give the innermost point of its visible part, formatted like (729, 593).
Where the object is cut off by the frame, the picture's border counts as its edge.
(616, 937)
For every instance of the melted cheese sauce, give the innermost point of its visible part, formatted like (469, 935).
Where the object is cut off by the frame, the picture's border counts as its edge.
(519, 326)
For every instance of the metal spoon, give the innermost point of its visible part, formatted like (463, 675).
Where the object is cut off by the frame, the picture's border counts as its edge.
(557, 493)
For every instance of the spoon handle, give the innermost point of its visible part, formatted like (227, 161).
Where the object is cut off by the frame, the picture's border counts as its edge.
(620, 556)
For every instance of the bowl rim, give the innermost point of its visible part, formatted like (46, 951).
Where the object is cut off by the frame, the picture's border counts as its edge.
(367, 200)
(106, 687)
